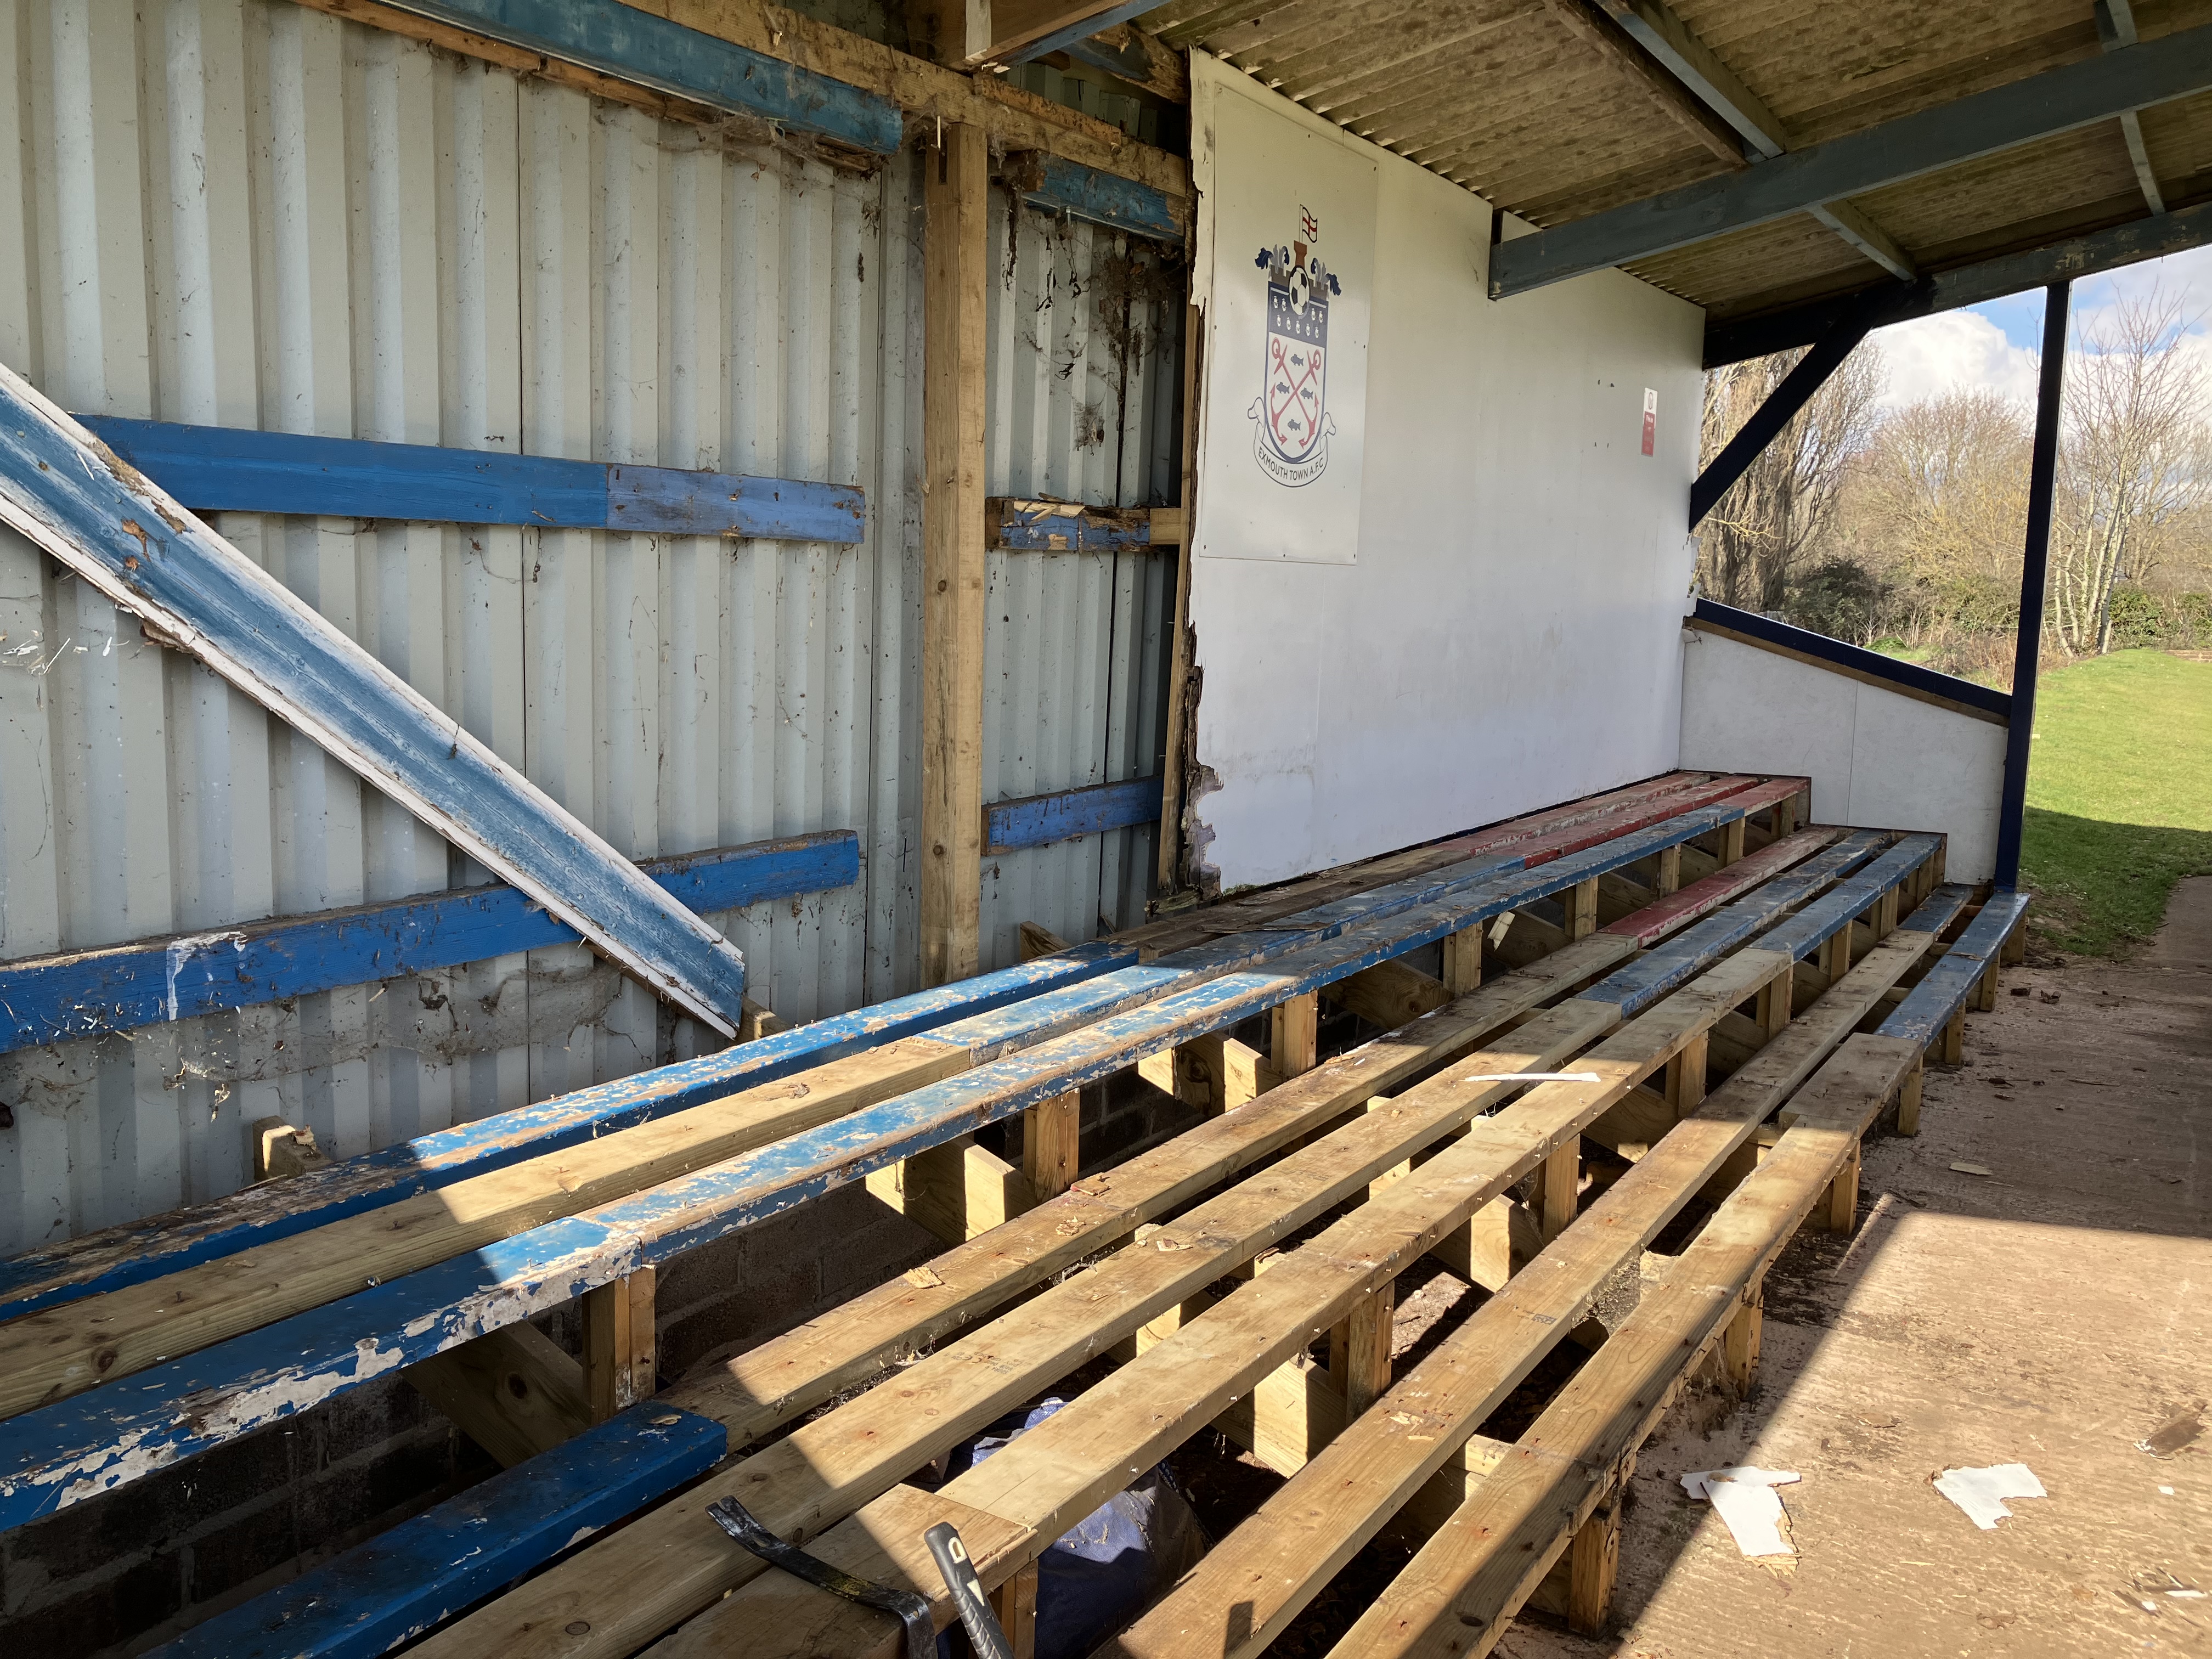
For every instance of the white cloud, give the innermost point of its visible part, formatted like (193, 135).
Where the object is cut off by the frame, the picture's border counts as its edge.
(1950, 351)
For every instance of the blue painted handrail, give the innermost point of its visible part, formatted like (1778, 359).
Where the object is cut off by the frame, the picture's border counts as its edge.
(82, 994)
(220, 469)
(1872, 664)
(430, 1567)
(67, 493)
(1040, 820)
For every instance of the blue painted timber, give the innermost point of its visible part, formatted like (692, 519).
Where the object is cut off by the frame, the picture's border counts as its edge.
(84, 994)
(1806, 932)
(427, 1568)
(1040, 820)
(1016, 526)
(105, 521)
(112, 1435)
(650, 52)
(1905, 676)
(140, 1250)
(1939, 910)
(220, 469)
(1946, 134)
(986, 1018)
(1932, 1004)
(1123, 203)
(1653, 974)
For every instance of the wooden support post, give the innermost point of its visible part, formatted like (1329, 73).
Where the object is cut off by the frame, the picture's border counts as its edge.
(1954, 1039)
(1014, 1602)
(956, 197)
(1908, 1101)
(1670, 870)
(1732, 842)
(1592, 1559)
(619, 1361)
(1777, 1001)
(956, 1190)
(513, 1391)
(2015, 945)
(1359, 1350)
(1463, 961)
(1297, 1047)
(1843, 1195)
(1885, 916)
(282, 1149)
(1035, 941)
(1049, 1145)
(1582, 909)
(1785, 816)
(1985, 994)
(1559, 1189)
(1498, 1242)
(756, 1022)
(1835, 955)
(1739, 1343)
(1685, 1077)
(1179, 640)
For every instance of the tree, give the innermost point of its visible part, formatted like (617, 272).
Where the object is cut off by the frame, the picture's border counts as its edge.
(2135, 466)
(1763, 528)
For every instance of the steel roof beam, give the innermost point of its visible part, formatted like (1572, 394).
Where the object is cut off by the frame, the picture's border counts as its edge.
(2116, 26)
(2076, 256)
(1929, 140)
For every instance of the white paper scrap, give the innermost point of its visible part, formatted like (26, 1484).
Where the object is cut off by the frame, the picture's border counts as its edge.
(1746, 1500)
(1981, 1492)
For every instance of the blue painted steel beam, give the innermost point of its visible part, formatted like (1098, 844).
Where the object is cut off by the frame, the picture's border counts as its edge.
(1103, 198)
(2039, 106)
(65, 491)
(430, 1567)
(1856, 660)
(1040, 820)
(217, 469)
(647, 51)
(1932, 1005)
(112, 1435)
(84, 994)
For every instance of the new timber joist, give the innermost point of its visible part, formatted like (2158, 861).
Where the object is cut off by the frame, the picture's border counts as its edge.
(836, 1463)
(454, 1266)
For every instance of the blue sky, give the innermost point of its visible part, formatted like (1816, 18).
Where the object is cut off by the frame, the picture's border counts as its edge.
(1995, 345)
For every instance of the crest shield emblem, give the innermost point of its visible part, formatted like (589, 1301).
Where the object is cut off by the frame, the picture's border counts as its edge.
(1291, 420)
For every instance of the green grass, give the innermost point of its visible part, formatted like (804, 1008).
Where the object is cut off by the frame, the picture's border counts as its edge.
(2119, 796)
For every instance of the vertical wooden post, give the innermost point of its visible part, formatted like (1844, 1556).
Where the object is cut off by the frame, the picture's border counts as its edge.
(1049, 1138)
(1670, 870)
(1739, 1343)
(1560, 1190)
(619, 1358)
(956, 196)
(1785, 817)
(1836, 954)
(1297, 1036)
(1582, 909)
(1732, 842)
(1908, 1101)
(1463, 960)
(1592, 1558)
(1843, 1195)
(1985, 994)
(1885, 916)
(1015, 1604)
(1170, 842)
(1776, 1001)
(2016, 945)
(1359, 1350)
(1954, 1039)
(1685, 1076)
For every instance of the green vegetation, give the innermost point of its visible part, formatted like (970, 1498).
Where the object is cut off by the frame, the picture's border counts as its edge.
(2119, 796)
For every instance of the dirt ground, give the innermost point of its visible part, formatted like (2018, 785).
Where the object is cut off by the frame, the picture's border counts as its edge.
(2054, 1311)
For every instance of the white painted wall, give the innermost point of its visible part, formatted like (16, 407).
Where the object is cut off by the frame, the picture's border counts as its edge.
(1878, 759)
(1509, 635)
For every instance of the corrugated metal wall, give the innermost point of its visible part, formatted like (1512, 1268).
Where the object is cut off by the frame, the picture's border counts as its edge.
(242, 213)
(1084, 379)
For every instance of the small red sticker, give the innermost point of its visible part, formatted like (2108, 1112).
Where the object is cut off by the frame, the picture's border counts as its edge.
(1650, 418)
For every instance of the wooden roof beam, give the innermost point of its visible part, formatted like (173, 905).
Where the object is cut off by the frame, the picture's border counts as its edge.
(1929, 140)
(1652, 26)
(1015, 31)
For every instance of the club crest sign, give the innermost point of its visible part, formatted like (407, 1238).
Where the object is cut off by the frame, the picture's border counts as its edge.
(1291, 421)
